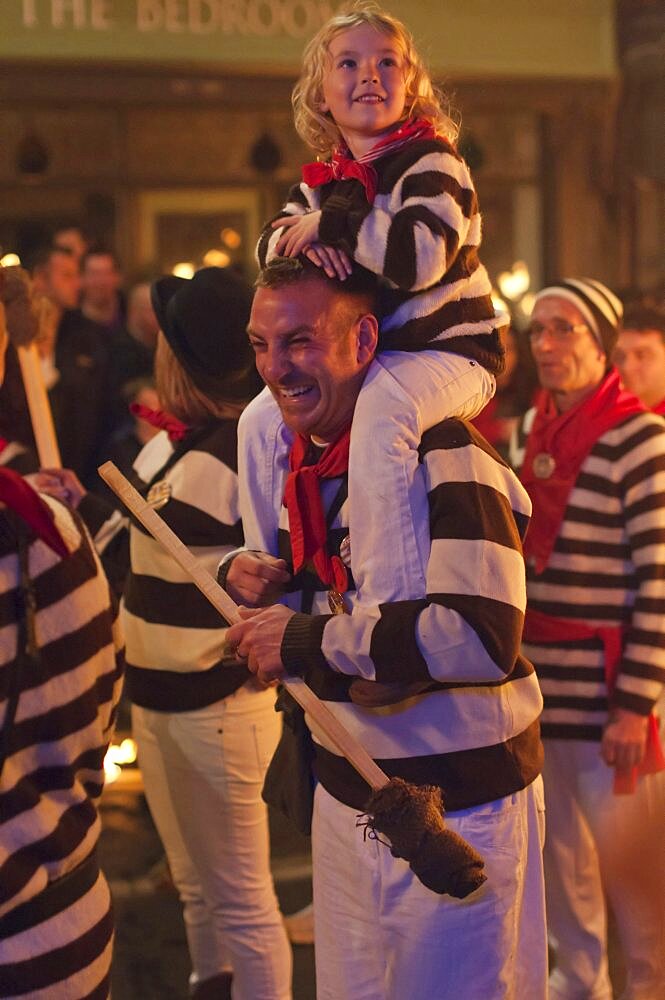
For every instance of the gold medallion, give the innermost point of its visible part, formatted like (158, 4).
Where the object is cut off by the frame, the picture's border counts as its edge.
(159, 495)
(543, 465)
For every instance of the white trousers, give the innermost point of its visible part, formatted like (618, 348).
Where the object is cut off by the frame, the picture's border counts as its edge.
(381, 935)
(599, 843)
(203, 774)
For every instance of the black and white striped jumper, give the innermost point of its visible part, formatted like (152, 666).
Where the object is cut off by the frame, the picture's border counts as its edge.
(56, 927)
(174, 636)
(607, 568)
(422, 234)
(474, 731)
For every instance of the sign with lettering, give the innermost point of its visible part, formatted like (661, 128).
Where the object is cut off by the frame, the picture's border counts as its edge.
(551, 37)
(293, 18)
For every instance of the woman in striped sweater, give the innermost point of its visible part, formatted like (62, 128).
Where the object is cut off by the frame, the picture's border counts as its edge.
(205, 730)
(60, 675)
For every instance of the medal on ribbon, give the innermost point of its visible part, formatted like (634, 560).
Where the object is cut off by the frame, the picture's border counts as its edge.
(159, 495)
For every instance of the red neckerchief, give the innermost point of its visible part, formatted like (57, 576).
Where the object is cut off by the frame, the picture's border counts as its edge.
(343, 165)
(539, 627)
(22, 499)
(660, 408)
(175, 428)
(302, 499)
(568, 438)
(493, 427)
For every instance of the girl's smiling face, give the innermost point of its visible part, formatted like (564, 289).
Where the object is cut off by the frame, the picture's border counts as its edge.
(364, 86)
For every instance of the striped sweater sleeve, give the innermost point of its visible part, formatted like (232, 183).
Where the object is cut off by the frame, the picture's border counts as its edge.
(54, 770)
(300, 200)
(424, 213)
(466, 627)
(424, 223)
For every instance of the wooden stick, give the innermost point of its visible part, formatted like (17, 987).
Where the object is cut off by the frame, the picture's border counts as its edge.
(347, 744)
(40, 408)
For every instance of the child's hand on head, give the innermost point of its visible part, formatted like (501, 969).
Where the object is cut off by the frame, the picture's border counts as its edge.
(301, 231)
(301, 237)
(335, 262)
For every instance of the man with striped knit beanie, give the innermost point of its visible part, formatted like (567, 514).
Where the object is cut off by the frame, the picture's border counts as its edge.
(592, 458)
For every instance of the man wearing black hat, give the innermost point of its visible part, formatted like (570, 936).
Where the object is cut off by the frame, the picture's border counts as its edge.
(593, 461)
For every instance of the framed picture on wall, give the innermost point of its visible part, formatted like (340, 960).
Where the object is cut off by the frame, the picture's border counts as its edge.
(181, 230)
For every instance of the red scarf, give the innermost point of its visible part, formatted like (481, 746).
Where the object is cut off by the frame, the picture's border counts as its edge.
(660, 408)
(539, 627)
(566, 438)
(175, 428)
(343, 165)
(302, 499)
(21, 498)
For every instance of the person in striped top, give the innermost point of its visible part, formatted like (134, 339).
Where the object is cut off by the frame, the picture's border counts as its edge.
(61, 663)
(593, 460)
(433, 686)
(205, 729)
(392, 195)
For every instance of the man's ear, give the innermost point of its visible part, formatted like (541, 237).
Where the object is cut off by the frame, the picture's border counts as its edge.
(368, 338)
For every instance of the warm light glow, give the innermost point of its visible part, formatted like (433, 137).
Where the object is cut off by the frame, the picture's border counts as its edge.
(10, 260)
(514, 283)
(231, 238)
(116, 755)
(111, 771)
(500, 307)
(123, 754)
(216, 258)
(184, 270)
(527, 303)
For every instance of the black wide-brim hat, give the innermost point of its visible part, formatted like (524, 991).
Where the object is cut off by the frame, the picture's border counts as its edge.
(204, 319)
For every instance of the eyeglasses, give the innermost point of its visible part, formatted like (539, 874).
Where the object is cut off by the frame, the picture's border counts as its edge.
(558, 329)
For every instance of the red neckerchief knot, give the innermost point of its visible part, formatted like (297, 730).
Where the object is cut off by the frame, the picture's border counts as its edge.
(342, 165)
(302, 499)
(567, 438)
(175, 428)
(19, 497)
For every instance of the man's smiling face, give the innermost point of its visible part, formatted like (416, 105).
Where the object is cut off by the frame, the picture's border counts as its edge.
(312, 348)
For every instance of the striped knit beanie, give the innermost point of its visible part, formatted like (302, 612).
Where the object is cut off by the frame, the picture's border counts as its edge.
(600, 307)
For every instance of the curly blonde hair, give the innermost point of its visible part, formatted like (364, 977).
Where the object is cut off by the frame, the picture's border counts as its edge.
(318, 129)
